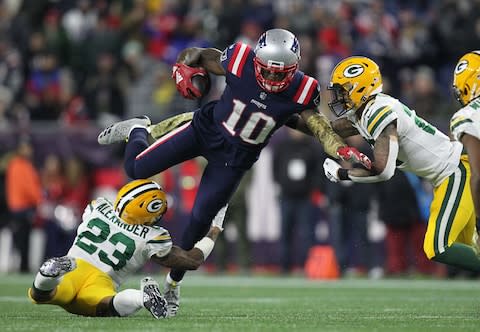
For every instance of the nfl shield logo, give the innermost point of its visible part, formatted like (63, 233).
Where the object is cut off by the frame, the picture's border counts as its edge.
(263, 95)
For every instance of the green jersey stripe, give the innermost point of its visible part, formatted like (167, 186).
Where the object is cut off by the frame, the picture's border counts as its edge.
(454, 125)
(375, 126)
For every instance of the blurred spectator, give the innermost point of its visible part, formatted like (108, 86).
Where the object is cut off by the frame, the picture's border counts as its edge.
(295, 171)
(24, 194)
(44, 88)
(350, 206)
(103, 93)
(399, 210)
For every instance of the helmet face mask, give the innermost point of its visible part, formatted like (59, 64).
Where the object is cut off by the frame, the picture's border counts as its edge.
(340, 100)
(141, 202)
(353, 82)
(276, 59)
(466, 78)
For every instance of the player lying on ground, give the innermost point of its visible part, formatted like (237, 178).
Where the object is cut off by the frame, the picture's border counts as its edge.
(401, 139)
(264, 91)
(113, 241)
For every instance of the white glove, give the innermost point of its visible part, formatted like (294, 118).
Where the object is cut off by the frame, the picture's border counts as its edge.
(218, 220)
(331, 168)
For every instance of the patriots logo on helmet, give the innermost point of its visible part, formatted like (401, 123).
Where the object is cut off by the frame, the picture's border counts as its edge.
(295, 45)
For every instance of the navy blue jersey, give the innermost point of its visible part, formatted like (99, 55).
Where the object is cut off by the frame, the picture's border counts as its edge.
(246, 115)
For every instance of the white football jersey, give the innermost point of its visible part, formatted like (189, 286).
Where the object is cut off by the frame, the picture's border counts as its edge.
(113, 246)
(466, 121)
(423, 149)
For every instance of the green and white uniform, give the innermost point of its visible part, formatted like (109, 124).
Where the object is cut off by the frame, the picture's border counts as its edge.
(466, 121)
(113, 246)
(423, 149)
(427, 152)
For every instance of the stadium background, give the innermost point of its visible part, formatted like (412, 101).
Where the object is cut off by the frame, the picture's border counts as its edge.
(70, 67)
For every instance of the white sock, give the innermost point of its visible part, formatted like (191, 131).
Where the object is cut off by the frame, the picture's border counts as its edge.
(45, 283)
(128, 302)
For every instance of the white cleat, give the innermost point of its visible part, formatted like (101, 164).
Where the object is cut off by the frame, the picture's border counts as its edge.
(171, 292)
(153, 300)
(119, 131)
(58, 266)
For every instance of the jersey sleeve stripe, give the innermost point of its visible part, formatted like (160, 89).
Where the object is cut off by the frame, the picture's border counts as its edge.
(160, 241)
(459, 122)
(376, 117)
(305, 91)
(162, 140)
(238, 59)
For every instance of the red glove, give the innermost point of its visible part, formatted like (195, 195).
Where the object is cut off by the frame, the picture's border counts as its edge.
(352, 155)
(182, 74)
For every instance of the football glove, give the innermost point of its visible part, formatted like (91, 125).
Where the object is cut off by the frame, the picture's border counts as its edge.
(351, 154)
(331, 167)
(182, 74)
(218, 220)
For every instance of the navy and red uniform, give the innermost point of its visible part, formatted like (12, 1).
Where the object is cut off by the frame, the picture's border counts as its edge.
(230, 133)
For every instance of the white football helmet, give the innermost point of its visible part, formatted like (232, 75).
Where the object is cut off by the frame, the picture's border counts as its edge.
(276, 59)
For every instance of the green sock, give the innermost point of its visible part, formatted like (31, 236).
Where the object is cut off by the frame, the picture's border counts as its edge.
(460, 255)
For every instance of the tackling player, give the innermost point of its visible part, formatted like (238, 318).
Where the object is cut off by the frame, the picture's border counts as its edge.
(264, 91)
(465, 124)
(114, 241)
(401, 139)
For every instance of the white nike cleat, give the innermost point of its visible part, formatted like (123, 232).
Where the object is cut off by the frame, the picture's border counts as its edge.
(171, 292)
(119, 131)
(58, 266)
(153, 300)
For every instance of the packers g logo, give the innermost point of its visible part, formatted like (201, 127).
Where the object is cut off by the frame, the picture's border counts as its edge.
(155, 206)
(461, 66)
(353, 71)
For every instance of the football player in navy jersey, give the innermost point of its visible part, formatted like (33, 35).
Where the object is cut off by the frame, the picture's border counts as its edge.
(264, 91)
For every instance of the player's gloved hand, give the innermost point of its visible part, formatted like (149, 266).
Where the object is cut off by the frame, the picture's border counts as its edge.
(352, 155)
(182, 75)
(331, 167)
(218, 220)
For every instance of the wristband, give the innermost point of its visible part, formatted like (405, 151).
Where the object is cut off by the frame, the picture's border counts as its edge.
(205, 245)
(343, 174)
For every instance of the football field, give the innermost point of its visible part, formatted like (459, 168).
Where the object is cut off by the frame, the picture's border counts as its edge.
(230, 303)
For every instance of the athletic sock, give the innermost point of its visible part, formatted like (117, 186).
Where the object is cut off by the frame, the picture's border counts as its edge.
(128, 302)
(460, 255)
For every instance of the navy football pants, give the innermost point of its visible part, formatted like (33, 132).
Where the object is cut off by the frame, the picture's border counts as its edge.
(217, 185)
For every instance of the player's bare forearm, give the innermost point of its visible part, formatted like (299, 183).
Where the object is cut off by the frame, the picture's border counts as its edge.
(344, 128)
(208, 58)
(472, 145)
(186, 260)
(319, 125)
(181, 259)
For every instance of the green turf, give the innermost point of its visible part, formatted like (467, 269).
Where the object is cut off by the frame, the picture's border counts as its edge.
(211, 303)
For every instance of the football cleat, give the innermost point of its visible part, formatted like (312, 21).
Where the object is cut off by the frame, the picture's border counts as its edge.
(120, 131)
(153, 300)
(171, 292)
(58, 266)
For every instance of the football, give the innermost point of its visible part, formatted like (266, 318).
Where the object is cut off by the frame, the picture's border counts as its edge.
(201, 81)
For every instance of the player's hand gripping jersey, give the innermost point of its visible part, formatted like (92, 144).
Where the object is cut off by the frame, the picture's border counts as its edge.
(113, 246)
(466, 121)
(423, 149)
(246, 115)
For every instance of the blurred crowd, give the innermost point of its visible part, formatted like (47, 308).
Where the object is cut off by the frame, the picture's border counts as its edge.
(69, 67)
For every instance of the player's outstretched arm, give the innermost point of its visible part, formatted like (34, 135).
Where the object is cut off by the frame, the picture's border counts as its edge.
(472, 144)
(319, 126)
(385, 154)
(208, 58)
(193, 258)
